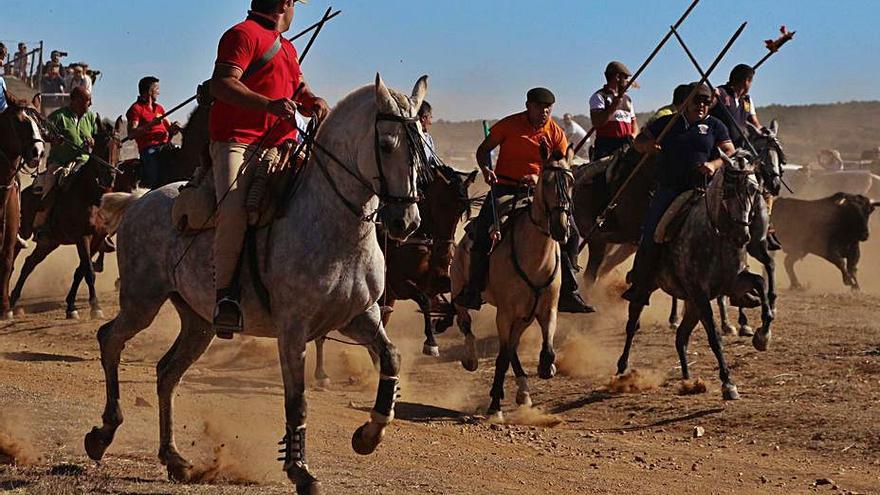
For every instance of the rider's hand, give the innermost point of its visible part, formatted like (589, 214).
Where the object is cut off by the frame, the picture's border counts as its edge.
(653, 146)
(706, 169)
(530, 180)
(175, 128)
(282, 107)
(489, 176)
(89, 143)
(320, 109)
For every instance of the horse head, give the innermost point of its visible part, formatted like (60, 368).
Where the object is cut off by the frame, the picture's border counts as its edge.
(446, 200)
(107, 149)
(22, 133)
(553, 192)
(734, 191)
(397, 145)
(771, 156)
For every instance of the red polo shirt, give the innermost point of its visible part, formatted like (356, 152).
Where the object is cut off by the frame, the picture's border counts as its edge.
(141, 114)
(240, 46)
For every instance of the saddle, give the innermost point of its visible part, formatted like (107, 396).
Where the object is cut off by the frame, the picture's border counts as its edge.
(672, 220)
(611, 167)
(508, 208)
(193, 209)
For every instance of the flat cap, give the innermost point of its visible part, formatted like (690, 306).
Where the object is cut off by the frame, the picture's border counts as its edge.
(541, 95)
(616, 67)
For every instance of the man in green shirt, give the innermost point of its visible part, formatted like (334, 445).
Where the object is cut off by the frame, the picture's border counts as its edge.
(77, 125)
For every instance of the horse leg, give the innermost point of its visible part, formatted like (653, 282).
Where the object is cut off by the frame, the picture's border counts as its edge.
(112, 336)
(195, 336)
(430, 347)
(292, 350)
(752, 282)
(40, 252)
(790, 260)
(368, 330)
(673, 314)
(632, 326)
(765, 257)
(470, 360)
(726, 326)
(704, 307)
(683, 336)
(547, 321)
(83, 248)
(322, 381)
(523, 398)
(745, 330)
(502, 362)
(594, 262)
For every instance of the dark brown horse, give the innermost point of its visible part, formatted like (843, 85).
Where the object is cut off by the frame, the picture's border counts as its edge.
(22, 142)
(74, 219)
(418, 269)
(178, 164)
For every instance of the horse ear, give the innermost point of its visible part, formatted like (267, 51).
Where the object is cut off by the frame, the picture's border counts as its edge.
(37, 101)
(728, 162)
(471, 178)
(774, 127)
(438, 174)
(420, 90)
(545, 151)
(384, 101)
(118, 125)
(753, 130)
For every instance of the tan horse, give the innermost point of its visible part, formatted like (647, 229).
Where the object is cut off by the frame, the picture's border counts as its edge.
(524, 280)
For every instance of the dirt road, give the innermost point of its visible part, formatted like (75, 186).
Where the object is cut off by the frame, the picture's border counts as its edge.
(808, 419)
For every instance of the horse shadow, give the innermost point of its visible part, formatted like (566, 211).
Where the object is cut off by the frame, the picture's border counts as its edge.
(32, 357)
(421, 413)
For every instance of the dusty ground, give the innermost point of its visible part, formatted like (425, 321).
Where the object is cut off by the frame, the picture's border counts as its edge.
(807, 421)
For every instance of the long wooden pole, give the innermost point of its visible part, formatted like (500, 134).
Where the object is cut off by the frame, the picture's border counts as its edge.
(600, 220)
(639, 71)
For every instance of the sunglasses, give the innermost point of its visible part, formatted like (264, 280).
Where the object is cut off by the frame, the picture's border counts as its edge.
(702, 100)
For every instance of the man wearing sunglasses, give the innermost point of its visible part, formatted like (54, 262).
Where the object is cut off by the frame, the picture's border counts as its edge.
(688, 157)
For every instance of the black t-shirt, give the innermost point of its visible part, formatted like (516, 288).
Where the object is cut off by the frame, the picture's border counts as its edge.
(686, 147)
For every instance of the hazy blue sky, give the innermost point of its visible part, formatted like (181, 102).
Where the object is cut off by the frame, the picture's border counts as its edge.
(482, 55)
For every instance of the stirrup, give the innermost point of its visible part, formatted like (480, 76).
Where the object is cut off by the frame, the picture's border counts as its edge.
(228, 319)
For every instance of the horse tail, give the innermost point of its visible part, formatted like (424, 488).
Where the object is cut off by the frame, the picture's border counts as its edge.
(113, 206)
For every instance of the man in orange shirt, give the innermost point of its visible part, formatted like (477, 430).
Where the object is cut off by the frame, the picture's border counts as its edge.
(519, 162)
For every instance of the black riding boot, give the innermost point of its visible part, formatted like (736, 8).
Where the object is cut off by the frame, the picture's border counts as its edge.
(570, 300)
(642, 275)
(228, 319)
(471, 295)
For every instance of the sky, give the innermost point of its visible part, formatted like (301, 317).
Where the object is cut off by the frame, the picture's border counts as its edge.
(481, 55)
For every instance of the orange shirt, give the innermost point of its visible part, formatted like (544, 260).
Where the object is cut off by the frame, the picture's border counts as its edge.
(520, 153)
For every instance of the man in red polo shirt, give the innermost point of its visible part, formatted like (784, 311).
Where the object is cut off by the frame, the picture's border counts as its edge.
(519, 162)
(150, 130)
(255, 76)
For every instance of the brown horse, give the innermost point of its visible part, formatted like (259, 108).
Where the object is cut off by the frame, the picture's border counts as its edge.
(178, 164)
(21, 143)
(74, 219)
(418, 268)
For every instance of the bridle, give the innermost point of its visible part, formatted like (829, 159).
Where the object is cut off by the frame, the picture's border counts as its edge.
(385, 197)
(563, 196)
(767, 172)
(32, 115)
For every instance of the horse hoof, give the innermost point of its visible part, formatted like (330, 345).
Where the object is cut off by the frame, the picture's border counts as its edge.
(95, 444)
(322, 384)
(547, 372)
(361, 443)
(97, 314)
(431, 350)
(729, 392)
(73, 315)
(746, 331)
(728, 329)
(524, 399)
(673, 325)
(495, 417)
(17, 312)
(9, 316)
(313, 488)
(179, 472)
(761, 340)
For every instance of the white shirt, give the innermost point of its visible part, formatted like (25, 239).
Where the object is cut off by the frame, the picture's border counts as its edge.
(575, 133)
(430, 150)
(85, 82)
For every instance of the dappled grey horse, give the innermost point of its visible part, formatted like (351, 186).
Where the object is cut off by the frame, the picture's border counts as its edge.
(706, 260)
(771, 157)
(325, 271)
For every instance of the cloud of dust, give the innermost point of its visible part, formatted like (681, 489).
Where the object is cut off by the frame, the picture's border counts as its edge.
(16, 447)
(223, 464)
(532, 416)
(584, 356)
(635, 381)
(53, 277)
(693, 386)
